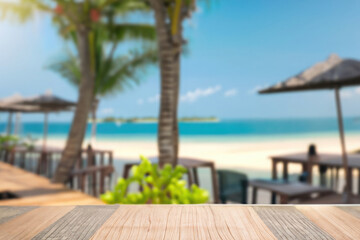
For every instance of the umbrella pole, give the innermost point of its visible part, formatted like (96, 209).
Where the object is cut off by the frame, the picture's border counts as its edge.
(45, 130)
(347, 189)
(9, 125)
(17, 124)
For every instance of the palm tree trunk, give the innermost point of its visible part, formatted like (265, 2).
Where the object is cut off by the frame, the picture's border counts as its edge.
(93, 121)
(169, 56)
(75, 139)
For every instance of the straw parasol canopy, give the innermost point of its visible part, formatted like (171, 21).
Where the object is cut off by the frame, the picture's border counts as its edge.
(44, 103)
(333, 73)
(48, 101)
(11, 104)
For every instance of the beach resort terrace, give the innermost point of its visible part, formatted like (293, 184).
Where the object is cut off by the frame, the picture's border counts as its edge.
(194, 151)
(34, 208)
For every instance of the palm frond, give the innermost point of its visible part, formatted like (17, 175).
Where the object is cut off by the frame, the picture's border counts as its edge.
(23, 10)
(16, 11)
(130, 31)
(112, 74)
(126, 7)
(125, 71)
(68, 68)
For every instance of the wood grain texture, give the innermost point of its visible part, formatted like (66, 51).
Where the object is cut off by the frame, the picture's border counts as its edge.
(27, 225)
(241, 221)
(353, 210)
(81, 223)
(7, 213)
(181, 222)
(184, 222)
(286, 222)
(336, 222)
(34, 190)
(122, 223)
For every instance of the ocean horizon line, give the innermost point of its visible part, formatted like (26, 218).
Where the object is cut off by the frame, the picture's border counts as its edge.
(219, 120)
(223, 129)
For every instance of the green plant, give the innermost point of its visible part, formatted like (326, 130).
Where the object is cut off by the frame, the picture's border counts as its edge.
(29, 142)
(8, 142)
(159, 186)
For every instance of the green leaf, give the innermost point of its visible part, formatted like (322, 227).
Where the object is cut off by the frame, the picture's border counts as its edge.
(159, 186)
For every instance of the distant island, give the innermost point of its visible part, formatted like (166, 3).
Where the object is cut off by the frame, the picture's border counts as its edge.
(154, 119)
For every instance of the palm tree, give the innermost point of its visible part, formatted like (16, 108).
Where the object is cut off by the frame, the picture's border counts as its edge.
(113, 74)
(77, 20)
(169, 16)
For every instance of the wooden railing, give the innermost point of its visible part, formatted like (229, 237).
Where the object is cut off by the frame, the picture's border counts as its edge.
(92, 180)
(92, 173)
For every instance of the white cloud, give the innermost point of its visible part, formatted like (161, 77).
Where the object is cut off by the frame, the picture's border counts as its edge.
(154, 99)
(192, 96)
(107, 111)
(140, 101)
(257, 88)
(231, 92)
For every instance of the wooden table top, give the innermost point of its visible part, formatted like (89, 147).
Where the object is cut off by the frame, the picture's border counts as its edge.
(184, 161)
(180, 222)
(33, 189)
(291, 189)
(334, 160)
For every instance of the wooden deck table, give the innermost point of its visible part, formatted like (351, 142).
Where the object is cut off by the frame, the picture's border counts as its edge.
(180, 222)
(287, 190)
(191, 165)
(327, 160)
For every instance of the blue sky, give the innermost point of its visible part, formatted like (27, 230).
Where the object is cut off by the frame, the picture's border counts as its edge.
(235, 47)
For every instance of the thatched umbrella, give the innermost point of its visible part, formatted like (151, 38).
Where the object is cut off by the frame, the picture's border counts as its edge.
(333, 73)
(47, 103)
(40, 104)
(10, 105)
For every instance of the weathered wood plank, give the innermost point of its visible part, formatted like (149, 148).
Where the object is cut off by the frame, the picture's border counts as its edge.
(286, 222)
(336, 222)
(240, 221)
(80, 223)
(353, 210)
(125, 219)
(34, 190)
(27, 225)
(183, 222)
(8, 213)
(55, 199)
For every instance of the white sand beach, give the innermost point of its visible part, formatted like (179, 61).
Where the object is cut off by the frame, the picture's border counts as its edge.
(250, 157)
(253, 155)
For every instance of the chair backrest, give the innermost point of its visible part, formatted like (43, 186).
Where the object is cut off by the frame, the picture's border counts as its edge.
(233, 186)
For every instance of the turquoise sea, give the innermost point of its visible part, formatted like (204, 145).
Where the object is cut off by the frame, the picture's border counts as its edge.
(226, 130)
